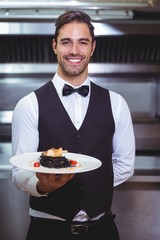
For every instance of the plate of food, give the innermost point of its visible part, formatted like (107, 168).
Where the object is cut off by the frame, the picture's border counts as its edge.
(57, 161)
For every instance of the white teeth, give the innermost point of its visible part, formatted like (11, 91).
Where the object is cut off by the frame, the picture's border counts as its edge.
(74, 60)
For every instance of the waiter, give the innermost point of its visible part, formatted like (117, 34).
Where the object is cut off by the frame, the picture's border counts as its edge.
(72, 112)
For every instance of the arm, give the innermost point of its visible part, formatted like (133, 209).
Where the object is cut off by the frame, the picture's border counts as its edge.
(123, 141)
(25, 139)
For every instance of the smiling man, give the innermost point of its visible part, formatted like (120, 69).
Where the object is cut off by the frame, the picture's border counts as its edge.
(73, 113)
(73, 45)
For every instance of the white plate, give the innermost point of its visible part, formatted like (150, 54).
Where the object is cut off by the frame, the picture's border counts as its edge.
(84, 163)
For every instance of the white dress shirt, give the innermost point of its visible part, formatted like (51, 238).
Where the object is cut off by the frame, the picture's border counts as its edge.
(25, 136)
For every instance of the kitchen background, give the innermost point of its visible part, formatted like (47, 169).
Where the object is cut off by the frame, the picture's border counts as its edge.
(127, 60)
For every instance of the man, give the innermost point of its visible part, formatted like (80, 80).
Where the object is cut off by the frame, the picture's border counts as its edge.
(97, 123)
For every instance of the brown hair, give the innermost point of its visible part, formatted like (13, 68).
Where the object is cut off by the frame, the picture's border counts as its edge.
(73, 16)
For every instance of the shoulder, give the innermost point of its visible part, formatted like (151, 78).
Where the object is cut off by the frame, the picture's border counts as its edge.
(27, 99)
(26, 112)
(114, 96)
(27, 104)
(45, 89)
(117, 100)
(120, 108)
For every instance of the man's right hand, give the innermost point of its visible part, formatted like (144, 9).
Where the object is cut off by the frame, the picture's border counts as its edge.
(50, 182)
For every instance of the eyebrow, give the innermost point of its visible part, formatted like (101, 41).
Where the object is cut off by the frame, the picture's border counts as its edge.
(80, 39)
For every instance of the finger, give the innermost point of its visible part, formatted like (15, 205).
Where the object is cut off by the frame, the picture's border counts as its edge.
(50, 178)
(63, 179)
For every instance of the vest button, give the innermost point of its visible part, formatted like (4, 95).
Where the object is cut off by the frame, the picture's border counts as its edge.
(82, 205)
(78, 135)
(81, 187)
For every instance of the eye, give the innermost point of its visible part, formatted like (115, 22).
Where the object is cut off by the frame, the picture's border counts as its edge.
(84, 42)
(65, 42)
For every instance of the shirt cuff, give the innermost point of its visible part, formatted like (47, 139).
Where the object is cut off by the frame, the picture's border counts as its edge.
(32, 183)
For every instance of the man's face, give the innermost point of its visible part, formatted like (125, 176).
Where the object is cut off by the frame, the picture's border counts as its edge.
(74, 48)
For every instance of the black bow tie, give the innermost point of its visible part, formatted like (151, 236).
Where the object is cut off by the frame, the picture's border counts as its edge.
(83, 90)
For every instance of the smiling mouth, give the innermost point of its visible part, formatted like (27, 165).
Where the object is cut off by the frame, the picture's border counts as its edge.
(74, 60)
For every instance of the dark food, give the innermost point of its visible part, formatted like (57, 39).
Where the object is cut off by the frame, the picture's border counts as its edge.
(54, 162)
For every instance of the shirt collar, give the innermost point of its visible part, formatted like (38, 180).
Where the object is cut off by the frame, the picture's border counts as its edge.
(58, 82)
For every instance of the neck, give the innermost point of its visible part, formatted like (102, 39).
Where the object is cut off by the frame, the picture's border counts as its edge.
(73, 80)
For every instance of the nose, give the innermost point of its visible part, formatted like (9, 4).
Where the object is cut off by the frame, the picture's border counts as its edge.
(74, 49)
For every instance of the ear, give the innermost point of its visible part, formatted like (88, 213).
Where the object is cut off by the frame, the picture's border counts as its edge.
(93, 47)
(54, 46)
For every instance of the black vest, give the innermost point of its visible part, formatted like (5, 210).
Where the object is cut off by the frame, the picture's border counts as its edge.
(91, 191)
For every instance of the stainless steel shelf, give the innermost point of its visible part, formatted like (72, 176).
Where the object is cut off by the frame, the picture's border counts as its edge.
(95, 69)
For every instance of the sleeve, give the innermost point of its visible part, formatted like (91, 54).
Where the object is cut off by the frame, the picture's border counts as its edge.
(123, 156)
(25, 139)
